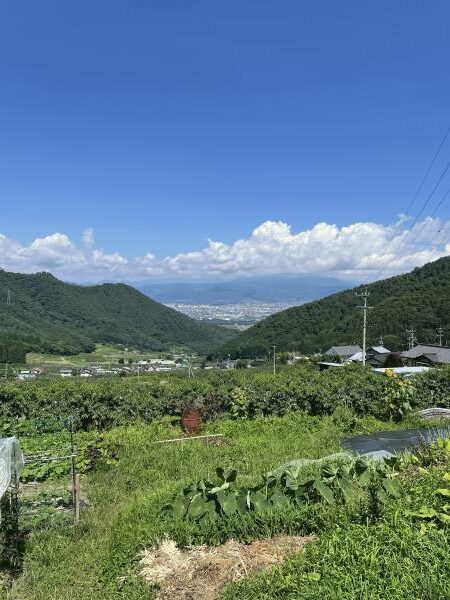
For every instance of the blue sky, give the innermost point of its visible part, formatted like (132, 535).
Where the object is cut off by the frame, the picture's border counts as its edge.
(162, 124)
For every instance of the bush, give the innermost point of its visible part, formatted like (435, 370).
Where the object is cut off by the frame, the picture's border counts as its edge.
(103, 403)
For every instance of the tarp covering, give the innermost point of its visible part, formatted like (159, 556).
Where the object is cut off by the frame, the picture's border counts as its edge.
(294, 467)
(11, 462)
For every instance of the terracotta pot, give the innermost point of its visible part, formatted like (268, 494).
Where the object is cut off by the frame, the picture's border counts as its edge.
(191, 420)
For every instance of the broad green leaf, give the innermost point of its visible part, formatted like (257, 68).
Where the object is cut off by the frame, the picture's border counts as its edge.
(241, 501)
(364, 478)
(220, 472)
(382, 496)
(324, 491)
(424, 512)
(197, 507)
(227, 502)
(278, 500)
(443, 492)
(211, 509)
(179, 507)
(259, 502)
(391, 487)
(346, 487)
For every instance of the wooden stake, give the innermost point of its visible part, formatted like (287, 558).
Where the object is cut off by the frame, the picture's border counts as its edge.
(77, 498)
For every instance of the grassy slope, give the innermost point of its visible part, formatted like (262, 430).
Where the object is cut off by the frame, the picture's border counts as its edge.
(99, 558)
(52, 315)
(391, 559)
(81, 564)
(420, 299)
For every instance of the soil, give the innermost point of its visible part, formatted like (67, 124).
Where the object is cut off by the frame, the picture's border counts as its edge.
(201, 572)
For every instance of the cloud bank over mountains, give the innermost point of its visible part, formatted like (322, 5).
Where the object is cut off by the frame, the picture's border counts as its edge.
(360, 251)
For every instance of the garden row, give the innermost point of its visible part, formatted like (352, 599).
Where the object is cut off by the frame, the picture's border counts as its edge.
(102, 404)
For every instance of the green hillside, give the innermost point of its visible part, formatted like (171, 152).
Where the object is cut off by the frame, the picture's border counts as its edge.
(48, 315)
(420, 299)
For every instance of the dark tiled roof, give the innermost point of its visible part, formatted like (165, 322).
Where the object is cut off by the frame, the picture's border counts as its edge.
(439, 354)
(343, 351)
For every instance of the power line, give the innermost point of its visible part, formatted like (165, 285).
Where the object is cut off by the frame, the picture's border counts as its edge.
(431, 194)
(439, 227)
(425, 204)
(430, 166)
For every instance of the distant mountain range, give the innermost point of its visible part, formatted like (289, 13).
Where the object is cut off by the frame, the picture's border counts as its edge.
(419, 300)
(46, 314)
(289, 289)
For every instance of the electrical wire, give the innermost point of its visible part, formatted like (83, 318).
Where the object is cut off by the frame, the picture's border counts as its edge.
(426, 202)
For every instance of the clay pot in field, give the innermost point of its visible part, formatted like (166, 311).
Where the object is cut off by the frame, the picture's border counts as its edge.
(191, 420)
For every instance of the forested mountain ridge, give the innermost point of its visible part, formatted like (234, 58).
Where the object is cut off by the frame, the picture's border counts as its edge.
(419, 299)
(46, 314)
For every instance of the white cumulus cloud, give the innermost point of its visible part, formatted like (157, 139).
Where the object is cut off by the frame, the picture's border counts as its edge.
(359, 251)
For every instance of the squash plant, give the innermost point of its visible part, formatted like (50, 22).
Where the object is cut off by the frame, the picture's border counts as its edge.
(333, 484)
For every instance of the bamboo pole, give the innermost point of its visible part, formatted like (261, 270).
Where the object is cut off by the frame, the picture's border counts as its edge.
(186, 439)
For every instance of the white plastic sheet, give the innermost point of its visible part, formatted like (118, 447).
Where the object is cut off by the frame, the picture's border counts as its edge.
(294, 467)
(11, 462)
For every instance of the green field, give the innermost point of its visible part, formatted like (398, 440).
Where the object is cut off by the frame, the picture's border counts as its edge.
(104, 354)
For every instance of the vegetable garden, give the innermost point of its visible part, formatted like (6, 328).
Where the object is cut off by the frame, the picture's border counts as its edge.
(209, 491)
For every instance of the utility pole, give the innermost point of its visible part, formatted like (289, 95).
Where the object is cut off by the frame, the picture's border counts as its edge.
(274, 361)
(440, 333)
(412, 340)
(190, 369)
(381, 342)
(8, 297)
(364, 296)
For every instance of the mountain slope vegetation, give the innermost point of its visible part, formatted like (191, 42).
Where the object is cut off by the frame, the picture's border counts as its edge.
(48, 315)
(419, 300)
